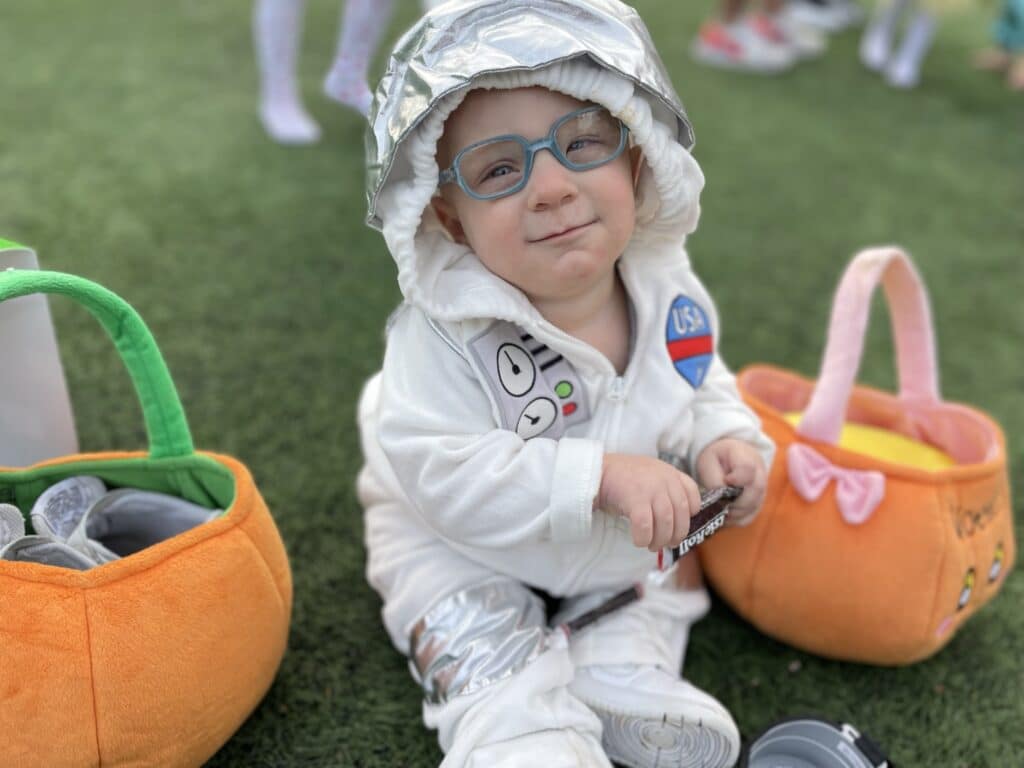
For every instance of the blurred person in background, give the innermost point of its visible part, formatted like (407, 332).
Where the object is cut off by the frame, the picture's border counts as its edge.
(277, 28)
(761, 37)
(1008, 54)
(899, 36)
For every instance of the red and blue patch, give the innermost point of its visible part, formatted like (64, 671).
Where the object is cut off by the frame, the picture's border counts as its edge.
(689, 340)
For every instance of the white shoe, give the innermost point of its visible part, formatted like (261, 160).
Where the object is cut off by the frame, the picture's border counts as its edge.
(286, 122)
(16, 546)
(738, 46)
(653, 719)
(351, 91)
(805, 41)
(827, 15)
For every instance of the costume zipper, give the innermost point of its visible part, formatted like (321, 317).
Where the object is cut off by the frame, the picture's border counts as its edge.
(616, 395)
(617, 389)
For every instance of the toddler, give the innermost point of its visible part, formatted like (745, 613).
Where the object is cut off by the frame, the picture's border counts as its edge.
(899, 36)
(1008, 54)
(551, 393)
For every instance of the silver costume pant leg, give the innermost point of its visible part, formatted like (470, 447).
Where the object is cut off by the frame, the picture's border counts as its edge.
(496, 683)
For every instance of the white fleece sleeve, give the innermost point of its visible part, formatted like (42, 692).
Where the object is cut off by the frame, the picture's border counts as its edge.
(470, 480)
(719, 411)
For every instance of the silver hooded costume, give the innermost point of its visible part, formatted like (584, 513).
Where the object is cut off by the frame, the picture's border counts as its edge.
(456, 44)
(464, 508)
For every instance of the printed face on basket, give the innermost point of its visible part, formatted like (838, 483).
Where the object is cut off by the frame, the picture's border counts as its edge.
(551, 225)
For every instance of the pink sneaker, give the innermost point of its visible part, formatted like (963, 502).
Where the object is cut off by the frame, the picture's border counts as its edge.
(738, 46)
(804, 41)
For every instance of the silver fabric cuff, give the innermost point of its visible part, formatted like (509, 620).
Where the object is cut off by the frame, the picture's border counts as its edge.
(476, 637)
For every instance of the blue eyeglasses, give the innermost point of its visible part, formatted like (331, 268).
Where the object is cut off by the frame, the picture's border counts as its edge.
(500, 166)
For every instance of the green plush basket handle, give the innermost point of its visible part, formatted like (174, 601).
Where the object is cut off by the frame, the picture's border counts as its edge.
(161, 408)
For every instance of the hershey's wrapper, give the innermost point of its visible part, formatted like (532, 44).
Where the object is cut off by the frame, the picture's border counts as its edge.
(714, 508)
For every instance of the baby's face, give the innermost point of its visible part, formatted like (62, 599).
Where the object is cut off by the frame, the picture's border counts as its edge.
(562, 233)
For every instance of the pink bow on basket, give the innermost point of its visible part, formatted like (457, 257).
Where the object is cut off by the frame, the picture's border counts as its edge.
(858, 492)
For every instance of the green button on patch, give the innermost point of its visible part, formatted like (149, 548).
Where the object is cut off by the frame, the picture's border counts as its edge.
(563, 389)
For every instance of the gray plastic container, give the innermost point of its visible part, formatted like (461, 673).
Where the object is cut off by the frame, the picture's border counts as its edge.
(811, 742)
(36, 421)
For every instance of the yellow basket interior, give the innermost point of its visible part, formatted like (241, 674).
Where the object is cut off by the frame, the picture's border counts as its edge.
(887, 446)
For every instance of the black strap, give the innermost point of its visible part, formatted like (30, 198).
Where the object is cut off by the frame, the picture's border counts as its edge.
(873, 752)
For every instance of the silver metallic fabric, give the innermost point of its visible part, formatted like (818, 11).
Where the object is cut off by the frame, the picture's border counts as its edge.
(463, 39)
(476, 637)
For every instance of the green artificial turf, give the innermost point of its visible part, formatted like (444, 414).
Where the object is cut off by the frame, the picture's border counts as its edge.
(130, 154)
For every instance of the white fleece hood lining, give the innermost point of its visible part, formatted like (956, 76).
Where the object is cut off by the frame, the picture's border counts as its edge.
(446, 280)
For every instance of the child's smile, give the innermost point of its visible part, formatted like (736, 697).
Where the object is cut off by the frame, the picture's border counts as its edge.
(564, 234)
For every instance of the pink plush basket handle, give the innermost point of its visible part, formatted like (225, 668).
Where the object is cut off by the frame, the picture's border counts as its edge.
(912, 335)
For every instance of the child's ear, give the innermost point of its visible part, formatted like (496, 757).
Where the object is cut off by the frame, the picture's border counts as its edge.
(636, 161)
(449, 219)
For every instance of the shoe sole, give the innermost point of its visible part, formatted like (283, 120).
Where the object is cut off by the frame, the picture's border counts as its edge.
(830, 23)
(666, 743)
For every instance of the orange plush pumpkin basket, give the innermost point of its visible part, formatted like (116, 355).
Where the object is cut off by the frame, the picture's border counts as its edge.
(157, 658)
(860, 554)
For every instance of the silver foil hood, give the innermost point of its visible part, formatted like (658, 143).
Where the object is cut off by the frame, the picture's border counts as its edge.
(461, 40)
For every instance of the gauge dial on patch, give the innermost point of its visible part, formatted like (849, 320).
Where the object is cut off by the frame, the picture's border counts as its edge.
(538, 415)
(516, 370)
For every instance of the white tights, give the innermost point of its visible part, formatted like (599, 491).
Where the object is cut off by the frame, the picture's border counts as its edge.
(277, 29)
(899, 61)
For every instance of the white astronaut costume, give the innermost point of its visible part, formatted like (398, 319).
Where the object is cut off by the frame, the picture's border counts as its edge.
(484, 432)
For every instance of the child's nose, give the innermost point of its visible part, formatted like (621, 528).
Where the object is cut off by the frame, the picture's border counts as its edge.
(551, 184)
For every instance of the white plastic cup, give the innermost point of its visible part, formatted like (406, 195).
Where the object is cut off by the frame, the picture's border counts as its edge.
(36, 421)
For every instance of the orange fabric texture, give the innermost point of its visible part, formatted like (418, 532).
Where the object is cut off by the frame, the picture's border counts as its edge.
(896, 588)
(152, 660)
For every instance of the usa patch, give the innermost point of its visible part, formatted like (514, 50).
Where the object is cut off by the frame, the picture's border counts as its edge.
(688, 339)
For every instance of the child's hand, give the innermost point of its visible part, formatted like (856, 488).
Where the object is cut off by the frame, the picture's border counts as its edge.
(734, 462)
(657, 498)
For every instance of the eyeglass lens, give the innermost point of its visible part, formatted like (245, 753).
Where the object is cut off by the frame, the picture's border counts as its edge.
(584, 140)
